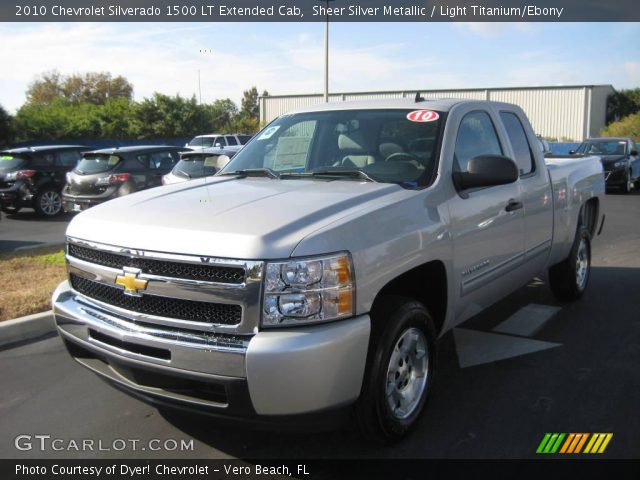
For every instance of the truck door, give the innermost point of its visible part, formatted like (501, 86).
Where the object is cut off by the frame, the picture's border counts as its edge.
(536, 193)
(487, 224)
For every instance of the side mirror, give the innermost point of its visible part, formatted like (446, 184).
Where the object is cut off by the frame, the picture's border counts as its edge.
(634, 153)
(218, 145)
(572, 152)
(486, 171)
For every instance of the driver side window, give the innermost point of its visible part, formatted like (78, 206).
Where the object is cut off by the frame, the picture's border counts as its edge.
(476, 136)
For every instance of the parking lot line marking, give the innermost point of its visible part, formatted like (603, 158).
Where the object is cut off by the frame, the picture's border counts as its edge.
(476, 348)
(527, 321)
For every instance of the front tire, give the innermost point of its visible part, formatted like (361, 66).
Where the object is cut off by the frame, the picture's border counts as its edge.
(399, 371)
(48, 203)
(569, 278)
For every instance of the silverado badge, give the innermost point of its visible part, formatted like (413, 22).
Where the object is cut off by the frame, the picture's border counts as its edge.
(130, 282)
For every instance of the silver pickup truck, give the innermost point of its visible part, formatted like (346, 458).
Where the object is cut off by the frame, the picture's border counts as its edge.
(314, 274)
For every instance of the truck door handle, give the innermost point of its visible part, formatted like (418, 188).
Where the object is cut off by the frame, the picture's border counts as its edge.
(512, 206)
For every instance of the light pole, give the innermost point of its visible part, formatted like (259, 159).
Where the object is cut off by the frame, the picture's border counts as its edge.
(326, 51)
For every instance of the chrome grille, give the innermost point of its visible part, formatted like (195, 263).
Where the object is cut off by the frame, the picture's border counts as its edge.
(210, 313)
(189, 271)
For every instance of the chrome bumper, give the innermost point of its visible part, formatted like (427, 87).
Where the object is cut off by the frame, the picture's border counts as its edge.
(286, 372)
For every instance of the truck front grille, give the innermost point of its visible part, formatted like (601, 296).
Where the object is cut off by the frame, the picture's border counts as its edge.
(210, 313)
(189, 271)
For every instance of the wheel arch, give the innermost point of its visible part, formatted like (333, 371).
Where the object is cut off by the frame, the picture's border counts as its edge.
(426, 283)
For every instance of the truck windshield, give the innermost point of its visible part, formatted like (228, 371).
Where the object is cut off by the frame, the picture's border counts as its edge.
(201, 142)
(390, 146)
(96, 163)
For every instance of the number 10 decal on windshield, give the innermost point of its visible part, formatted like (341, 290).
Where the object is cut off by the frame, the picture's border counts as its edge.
(423, 116)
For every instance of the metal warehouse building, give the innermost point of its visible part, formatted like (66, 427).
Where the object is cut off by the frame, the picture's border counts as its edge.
(567, 113)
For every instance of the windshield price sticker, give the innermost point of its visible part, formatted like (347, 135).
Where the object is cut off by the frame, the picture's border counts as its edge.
(210, 161)
(423, 116)
(268, 133)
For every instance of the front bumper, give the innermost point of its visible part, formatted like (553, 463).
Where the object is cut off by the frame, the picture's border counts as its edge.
(615, 178)
(278, 372)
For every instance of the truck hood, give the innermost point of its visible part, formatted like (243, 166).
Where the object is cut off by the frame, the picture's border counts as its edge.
(249, 218)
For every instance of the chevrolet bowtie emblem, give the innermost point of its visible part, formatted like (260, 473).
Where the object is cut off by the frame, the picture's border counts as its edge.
(131, 283)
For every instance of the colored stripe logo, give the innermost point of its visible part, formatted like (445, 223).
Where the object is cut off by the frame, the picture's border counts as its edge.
(573, 443)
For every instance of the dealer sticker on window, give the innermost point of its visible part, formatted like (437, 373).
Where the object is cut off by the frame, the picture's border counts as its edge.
(268, 133)
(423, 116)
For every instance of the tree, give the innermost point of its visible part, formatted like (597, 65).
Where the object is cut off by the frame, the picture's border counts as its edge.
(92, 87)
(622, 104)
(6, 130)
(220, 114)
(250, 106)
(629, 126)
(165, 116)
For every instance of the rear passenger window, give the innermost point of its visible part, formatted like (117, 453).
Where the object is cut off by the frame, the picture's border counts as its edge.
(476, 136)
(43, 160)
(68, 158)
(519, 142)
(161, 161)
(231, 140)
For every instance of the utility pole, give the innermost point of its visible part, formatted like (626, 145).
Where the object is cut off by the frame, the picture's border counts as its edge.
(326, 51)
(199, 89)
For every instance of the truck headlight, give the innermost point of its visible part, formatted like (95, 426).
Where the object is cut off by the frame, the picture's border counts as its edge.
(309, 290)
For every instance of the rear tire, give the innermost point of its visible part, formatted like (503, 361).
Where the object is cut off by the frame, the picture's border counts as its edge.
(48, 203)
(400, 369)
(569, 279)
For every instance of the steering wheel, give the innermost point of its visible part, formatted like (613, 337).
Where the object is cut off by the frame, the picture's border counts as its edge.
(400, 156)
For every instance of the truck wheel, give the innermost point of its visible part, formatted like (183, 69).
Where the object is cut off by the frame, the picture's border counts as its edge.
(399, 371)
(48, 203)
(569, 278)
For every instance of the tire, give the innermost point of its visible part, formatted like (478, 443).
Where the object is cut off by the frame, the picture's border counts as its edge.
(48, 203)
(569, 279)
(402, 347)
(10, 210)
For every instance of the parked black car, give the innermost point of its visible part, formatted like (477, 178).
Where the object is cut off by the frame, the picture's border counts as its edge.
(102, 175)
(620, 160)
(33, 177)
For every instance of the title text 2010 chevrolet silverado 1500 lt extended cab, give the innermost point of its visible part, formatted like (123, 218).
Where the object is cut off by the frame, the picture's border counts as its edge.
(318, 268)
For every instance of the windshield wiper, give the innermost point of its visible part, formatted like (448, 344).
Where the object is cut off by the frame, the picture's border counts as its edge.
(254, 172)
(335, 173)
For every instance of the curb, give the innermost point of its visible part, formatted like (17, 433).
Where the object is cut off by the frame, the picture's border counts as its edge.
(39, 245)
(26, 328)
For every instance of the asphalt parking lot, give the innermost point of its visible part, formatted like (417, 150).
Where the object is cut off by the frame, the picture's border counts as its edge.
(499, 388)
(25, 229)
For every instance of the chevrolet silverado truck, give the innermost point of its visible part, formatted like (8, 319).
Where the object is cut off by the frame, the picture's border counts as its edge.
(315, 272)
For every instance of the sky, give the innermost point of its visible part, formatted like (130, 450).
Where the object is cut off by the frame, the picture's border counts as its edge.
(287, 58)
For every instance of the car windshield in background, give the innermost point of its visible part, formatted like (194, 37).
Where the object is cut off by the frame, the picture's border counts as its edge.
(97, 163)
(391, 146)
(9, 162)
(613, 147)
(195, 166)
(202, 142)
